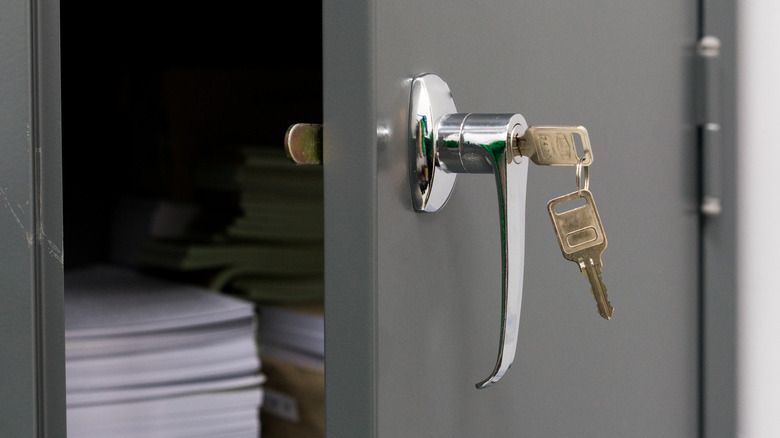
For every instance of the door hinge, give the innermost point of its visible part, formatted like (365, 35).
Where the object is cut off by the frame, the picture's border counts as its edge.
(708, 122)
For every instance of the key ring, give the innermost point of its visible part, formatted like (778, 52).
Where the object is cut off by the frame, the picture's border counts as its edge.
(586, 173)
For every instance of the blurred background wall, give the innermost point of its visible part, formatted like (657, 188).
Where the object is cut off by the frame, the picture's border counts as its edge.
(758, 217)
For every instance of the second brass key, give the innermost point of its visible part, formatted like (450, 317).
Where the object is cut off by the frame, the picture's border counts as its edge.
(581, 238)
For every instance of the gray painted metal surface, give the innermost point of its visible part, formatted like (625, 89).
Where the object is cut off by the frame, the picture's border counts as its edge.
(409, 328)
(32, 365)
(413, 299)
(350, 186)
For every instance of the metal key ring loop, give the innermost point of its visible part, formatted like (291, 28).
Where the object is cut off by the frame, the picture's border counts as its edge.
(580, 172)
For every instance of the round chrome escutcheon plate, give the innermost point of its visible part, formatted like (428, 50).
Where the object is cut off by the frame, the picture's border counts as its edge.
(431, 186)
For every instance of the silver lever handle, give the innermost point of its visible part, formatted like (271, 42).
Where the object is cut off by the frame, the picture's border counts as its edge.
(445, 143)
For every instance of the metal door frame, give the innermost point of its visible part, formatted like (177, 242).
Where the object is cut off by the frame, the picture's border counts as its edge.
(718, 287)
(33, 350)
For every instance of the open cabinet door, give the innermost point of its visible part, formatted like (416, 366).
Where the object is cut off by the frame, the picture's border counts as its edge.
(413, 300)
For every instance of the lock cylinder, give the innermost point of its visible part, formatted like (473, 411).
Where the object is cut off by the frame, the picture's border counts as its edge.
(472, 143)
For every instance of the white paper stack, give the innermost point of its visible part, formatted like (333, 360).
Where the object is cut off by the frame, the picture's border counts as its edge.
(295, 333)
(293, 349)
(151, 358)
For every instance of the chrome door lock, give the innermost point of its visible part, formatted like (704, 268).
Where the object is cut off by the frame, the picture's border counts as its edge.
(445, 143)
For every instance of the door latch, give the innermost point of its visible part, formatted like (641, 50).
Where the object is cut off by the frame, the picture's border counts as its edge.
(445, 143)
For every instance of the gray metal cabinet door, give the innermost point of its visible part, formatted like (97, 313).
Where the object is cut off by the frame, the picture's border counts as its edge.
(413, 300)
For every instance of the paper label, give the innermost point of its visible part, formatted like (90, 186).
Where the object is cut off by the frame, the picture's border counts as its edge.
(280, 405)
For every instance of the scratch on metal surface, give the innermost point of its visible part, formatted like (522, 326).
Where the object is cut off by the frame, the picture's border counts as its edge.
(51, 246)
(28, 235)
(29, 137)
(54, 250)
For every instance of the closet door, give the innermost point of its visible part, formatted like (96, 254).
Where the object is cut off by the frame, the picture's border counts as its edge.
(413, 300)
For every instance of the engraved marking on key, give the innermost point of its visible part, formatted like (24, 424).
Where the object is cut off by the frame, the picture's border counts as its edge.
(554, 145)
(581, 238)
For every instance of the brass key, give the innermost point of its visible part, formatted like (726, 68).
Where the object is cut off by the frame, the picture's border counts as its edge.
(555, 145)
(581, 238)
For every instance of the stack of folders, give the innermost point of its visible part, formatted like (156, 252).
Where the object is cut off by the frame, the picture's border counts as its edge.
(268, 251)
(272, 249)
(150, 358)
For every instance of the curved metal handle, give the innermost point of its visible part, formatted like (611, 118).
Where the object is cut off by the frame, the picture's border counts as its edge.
(482, 143)
(444, 143)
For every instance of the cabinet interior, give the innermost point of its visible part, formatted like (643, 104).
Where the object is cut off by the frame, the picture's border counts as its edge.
(151, 90)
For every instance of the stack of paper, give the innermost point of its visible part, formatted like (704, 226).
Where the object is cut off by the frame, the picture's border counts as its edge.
(293, 349)
(280, 201)
(272, 250)
(268, 251)
(150, 358)
(294, 332)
